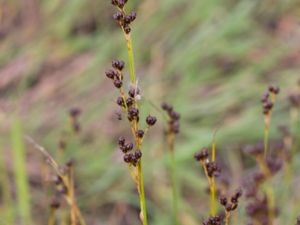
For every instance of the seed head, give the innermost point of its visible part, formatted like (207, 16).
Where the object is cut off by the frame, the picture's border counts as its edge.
(151, 120)
(118, 83)
(118, 64)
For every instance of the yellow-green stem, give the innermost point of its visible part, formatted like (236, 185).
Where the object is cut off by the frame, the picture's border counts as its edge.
(212, 187)
(212, 197)
(174, 187)
(227, 217)
(266, 140)
(51, 218)
(142, 194)
(130, 57)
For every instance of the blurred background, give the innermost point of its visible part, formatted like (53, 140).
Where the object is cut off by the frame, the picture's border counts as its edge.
(211, 59)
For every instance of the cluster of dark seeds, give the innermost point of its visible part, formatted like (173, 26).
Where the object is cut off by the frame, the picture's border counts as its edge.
(234, 200)
(212, 168)
(173, 116)
(74, 115)
(258, 211)
(123, 19)
(294, 100)
(267, 103)
(115, 74)
(298, 220)
(55, 203)
(129, 156)
(130, 105)
(213, 220)
(257, 207)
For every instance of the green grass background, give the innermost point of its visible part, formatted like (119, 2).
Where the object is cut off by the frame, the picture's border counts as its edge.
(210, 59)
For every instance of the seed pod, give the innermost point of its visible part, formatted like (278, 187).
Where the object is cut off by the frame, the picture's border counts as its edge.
(151, 120)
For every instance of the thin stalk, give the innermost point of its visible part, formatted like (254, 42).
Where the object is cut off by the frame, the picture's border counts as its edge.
(130, 57)
(141, 191)
(212, 187)
(227, 218)
(51, 218)
(174, 187)
(170, 140)
(266, 141)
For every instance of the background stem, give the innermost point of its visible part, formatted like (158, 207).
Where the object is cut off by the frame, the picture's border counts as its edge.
(142, 194)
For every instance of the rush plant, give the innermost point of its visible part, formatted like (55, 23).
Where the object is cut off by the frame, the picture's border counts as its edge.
(129, 104)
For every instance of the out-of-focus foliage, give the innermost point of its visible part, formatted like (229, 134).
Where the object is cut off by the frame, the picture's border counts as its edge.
(211, 59)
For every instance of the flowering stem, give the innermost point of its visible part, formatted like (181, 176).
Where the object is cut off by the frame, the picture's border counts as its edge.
(141, 191)
(212, 186)
(130, 57)
(174, 187)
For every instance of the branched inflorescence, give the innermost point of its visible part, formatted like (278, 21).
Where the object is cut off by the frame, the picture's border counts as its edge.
(268, 100)
(173, 127)
(123, 19)
(230, 204)
(129, 103)
(261, 206)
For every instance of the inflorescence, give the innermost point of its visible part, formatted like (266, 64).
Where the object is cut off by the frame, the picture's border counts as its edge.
(268, 103)
(173, 118)
(129, 103)
(211, 168)
(124, 20)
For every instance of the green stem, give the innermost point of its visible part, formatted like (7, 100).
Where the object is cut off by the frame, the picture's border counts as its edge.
(142, 194)
(130, 58)
(266, 141)
(174, 187)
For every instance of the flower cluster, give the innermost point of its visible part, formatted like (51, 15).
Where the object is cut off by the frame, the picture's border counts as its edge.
(294, 100)
(129, 156)
(268, 103)
(123, 19)
(233, 203)
(259, 211)
(259, 207)
(211, 168)
(74, 116)
(173, 118)
(129, 103)
(213, 220)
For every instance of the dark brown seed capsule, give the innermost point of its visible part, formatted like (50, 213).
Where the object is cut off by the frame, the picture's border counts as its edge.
(118, 83)
(74, 112)
(121, 141)
(223, 200)
(118, 64)
(128, 147)
(133, 92)
(133, 112)
(114, 2)
(54, 204)
(129, 102)
(165, 106)
(127, 19)
(127, 158)
(151, 120)
(133, 16)
(140, 133)
(138, 154)
(120, 101)
(118, 16)
(127, 29)
(111, 74)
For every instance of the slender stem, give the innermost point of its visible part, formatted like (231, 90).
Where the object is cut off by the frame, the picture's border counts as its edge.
(212, 187)
(51, 218)
(266, 140)
(174, 187)
(227, 217)
(141, 191)
(130, 57)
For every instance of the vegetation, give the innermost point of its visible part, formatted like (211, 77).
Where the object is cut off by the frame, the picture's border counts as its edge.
(210, 59)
